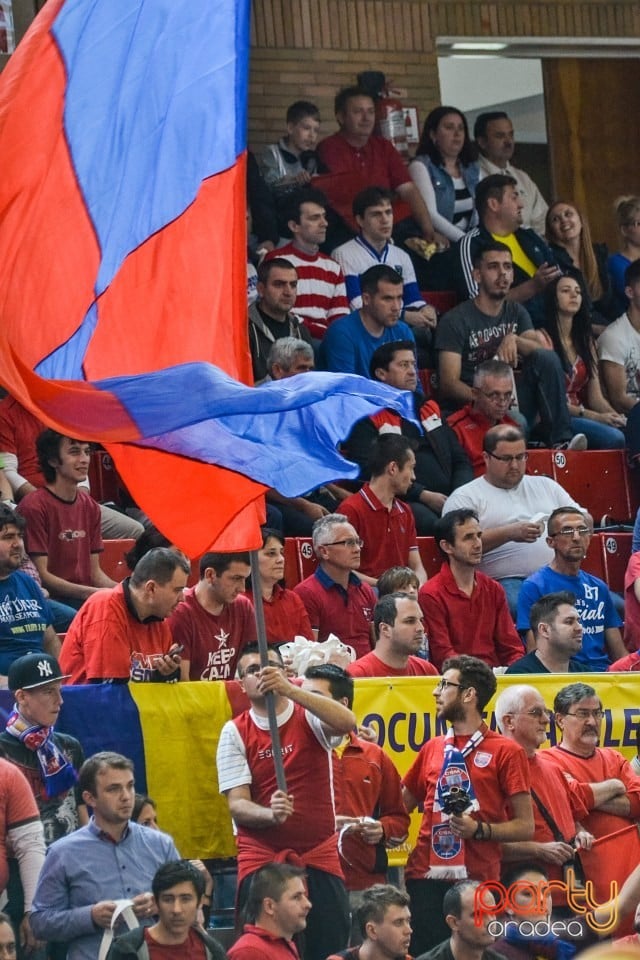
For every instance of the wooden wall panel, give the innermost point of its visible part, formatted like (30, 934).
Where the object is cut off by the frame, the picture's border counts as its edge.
(588, 125)
(310, 48)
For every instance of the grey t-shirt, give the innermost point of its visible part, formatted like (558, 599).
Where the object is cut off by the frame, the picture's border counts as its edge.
(476, 336)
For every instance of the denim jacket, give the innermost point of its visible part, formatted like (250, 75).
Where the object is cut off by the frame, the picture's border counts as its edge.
(444, 189)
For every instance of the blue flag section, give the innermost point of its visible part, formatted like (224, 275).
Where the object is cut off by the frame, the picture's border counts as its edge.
(123, 314)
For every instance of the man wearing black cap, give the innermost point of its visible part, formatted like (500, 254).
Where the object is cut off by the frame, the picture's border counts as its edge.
(49, 760)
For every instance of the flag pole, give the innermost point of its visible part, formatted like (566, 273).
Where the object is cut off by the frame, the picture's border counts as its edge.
(261, 632)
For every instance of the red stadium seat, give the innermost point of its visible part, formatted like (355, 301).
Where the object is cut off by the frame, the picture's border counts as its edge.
(430, 555)
(540, 463)
(299, 560)
(104, 478)
(442, 300)
(112, 558)
(598, 480)
(616, 550)
(594, 561)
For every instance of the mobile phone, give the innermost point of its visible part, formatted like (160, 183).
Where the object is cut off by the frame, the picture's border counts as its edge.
(177, 649)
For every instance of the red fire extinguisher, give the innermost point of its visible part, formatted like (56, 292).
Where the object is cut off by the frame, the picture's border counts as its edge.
(390, 119)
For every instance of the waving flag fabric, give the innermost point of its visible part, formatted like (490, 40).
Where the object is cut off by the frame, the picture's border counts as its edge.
(123, 281)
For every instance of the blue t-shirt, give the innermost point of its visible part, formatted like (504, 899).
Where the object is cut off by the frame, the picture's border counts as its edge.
(24, 616)
(593, 603)
(348, 346)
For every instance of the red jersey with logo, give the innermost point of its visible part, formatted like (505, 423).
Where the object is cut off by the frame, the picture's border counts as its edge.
(66, 533)
(309, 773)
(497, 768)
(105, 641)
(388, 535)
(212, 642)
(332, 609)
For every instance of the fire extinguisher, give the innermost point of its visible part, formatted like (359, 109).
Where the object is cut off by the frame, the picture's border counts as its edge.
(390, 120)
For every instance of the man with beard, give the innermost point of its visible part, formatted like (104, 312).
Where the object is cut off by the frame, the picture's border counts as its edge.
(569, 535)
(492, 325)
(464, 781)
(25, 618)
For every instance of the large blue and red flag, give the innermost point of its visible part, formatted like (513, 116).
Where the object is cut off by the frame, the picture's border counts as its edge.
(123, 278)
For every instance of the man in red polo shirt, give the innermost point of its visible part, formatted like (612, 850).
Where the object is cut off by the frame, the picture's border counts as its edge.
(492, 396)
(354, 149)
(335, 598)
(384, 523)
(465, 610)
(276, 910)
(397, 624)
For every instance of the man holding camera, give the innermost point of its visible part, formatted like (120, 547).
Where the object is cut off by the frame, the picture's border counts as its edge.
(465, 781)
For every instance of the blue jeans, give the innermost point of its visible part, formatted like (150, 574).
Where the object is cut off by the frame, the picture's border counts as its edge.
(62, 615)
(599, 436)
(511, 586)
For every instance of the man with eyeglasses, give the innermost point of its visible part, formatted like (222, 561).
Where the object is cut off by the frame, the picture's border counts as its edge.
(568, 535)
(272, 823)
(558, 806)
(493, 325)
(555, 625)
(335, 597)
(578, 715)
(512, 508)
(490, 775)
(492, 393)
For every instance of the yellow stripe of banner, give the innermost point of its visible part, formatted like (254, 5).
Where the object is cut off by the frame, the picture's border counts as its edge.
(181, 723)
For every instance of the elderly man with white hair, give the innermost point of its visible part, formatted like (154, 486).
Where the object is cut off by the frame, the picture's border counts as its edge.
(558, 806)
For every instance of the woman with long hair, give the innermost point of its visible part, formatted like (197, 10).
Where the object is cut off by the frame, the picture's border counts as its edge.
(569, 236)
(568, 326)
(627, 211)
(446, 173)
(284, 612)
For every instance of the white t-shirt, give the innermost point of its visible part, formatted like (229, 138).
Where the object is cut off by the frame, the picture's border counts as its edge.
(620, 343)
(496, 507)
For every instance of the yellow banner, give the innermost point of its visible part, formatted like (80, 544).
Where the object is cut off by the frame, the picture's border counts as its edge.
(402, 710)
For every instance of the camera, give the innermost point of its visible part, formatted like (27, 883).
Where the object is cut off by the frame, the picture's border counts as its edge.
(455, 800)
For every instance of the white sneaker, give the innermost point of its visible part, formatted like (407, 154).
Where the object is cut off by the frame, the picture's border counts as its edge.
(578, 442)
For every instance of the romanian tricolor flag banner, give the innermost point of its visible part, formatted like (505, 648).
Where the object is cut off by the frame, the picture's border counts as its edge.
(171, 734)
(123, 314)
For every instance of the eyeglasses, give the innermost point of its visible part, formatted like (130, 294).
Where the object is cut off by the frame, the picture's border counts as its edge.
(582, 714)
(257, 667)
(443, 684)
(349, 542)
(8, 948)
(537, 712)
(571, 532)
(510, 458)
(496, 397)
